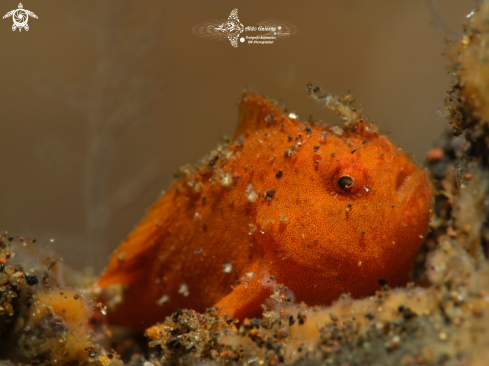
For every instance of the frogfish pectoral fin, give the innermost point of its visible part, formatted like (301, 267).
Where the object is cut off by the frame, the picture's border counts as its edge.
(414, 196)
(246, 299)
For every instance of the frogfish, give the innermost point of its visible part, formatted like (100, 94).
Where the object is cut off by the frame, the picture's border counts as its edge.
(322, 210)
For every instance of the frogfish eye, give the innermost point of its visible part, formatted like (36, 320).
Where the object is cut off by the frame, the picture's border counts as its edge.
(345, 182)
(349, 180)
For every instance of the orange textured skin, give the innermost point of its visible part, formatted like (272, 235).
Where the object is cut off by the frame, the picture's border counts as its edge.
(316, 238)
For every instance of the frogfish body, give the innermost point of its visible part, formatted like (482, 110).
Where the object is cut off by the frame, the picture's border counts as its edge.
(322, 210)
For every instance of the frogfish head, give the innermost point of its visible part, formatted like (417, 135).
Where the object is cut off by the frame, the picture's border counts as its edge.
(350, 209)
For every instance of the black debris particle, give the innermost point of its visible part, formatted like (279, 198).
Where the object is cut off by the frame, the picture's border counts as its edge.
(269, 194)
(278, 174)
(316, 147)
(370, 316)
(382, 282)
(406, 312)
(213, 160)
(240, 140)
(31, 280)
(291, 320)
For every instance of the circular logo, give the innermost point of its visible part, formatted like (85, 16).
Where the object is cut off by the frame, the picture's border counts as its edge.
(20, 18)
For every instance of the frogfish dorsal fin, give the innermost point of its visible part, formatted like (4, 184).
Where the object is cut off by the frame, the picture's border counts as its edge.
(256, 113)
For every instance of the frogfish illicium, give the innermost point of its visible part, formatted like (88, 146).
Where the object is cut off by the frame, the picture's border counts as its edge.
(322, 210)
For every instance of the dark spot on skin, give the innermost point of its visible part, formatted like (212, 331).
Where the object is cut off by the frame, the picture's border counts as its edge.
(204, 199)
(382, 282)
(332, 154)
(364, 141)
(308, 130)
(292, 147)
(302, 318)
(345, 182)
(270, 192)
(278, 174)
(272, 277)
(354, 151)
(315, 147)
(290, 137)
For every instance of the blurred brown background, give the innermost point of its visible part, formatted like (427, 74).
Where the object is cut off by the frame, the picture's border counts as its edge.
(101, 101)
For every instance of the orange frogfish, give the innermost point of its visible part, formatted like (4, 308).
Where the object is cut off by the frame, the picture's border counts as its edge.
(322, 210)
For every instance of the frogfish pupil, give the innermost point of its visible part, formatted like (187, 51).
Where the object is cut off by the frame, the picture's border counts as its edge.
(345, 182)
